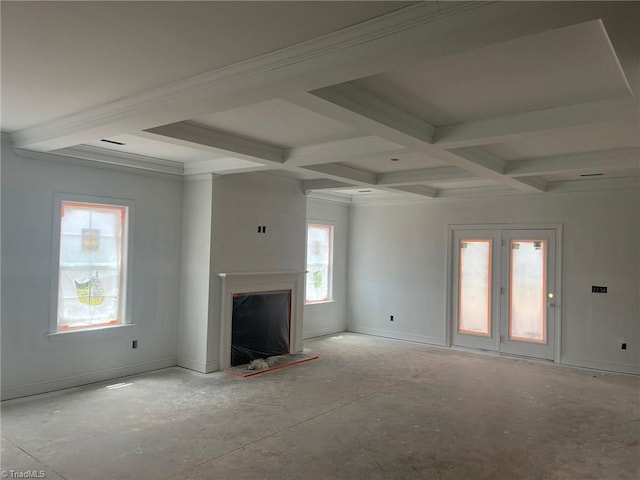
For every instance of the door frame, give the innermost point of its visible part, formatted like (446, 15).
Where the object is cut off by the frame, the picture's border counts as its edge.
(498, 228)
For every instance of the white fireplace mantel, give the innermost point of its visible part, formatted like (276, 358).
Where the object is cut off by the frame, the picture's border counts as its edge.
(254, 282)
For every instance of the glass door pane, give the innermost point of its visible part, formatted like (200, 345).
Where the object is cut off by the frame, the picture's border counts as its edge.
(528, 286)
(475, 298)
(527, 320)
(474, 312)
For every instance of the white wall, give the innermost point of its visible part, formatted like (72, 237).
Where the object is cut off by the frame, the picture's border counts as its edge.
(34, 362)
(195, 272)
(398, 266)
(331, 317)
(240, 204)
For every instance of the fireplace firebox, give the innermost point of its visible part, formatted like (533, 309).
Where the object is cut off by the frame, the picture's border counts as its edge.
(280, 293)
(260, 325)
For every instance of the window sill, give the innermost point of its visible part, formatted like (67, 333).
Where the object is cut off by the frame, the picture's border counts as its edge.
(324, 302)
(102, 331)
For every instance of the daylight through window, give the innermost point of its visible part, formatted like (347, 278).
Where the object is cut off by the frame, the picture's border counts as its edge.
(319, 263)
(92, 273)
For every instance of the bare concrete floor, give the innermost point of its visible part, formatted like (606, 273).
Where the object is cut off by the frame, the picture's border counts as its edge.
(369, 408)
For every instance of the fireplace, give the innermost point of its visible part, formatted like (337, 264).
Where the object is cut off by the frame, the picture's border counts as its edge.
(260, 325)
(268, 310)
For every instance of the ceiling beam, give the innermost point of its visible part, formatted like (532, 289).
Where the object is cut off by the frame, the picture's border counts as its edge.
(576, 163)
(418, 190)
(335, 102)
(373, 112)
(342, 150)
(339, 109)
(595, 184)
(267, 156)
(323, 184)
(423, 175)
(223, 166)
(476, 192)
(496, 130)
(402, 37)
(218, 142)
(343, 173)
(494, 168)
(419, 32)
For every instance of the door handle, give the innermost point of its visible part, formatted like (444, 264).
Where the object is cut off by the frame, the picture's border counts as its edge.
(550, 301)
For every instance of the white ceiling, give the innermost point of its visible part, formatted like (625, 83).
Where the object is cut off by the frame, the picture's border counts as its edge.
(567, 141)
(470, 98)
(279, 123)
(559, 67)
(88, 53)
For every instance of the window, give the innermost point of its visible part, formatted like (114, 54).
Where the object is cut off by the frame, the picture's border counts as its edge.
(91, 265)
(319, 263)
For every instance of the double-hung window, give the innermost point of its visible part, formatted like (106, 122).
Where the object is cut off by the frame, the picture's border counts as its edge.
(319, 263)
(91, 266)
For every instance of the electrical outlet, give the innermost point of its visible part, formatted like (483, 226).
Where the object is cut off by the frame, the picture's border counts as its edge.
(134, 344)
(391, 318)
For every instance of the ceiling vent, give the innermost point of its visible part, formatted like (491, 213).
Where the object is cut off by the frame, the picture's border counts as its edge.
(111, 141)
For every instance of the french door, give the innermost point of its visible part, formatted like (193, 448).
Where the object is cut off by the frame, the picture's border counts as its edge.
(503, 290)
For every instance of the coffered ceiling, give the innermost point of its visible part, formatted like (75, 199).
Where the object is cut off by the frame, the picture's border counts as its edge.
(357, 100)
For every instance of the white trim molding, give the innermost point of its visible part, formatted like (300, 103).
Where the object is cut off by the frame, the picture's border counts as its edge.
(248, 282)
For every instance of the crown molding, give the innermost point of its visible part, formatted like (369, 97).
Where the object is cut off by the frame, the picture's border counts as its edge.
(132, 160)
(120, 166)
(381, 199)
(330, 197)
(594, 185)
(604, 160)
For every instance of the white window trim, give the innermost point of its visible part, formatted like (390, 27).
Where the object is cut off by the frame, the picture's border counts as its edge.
(332, 224)
(58, 199)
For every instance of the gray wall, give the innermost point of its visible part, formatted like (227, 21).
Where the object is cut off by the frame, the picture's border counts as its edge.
(240, 204)
(331, 317)
(34, 362)
(398, 265)
(195, 272)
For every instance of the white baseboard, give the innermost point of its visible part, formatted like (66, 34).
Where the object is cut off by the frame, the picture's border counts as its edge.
(608, 366)
(321, 332)
(213, 366)
(93, 377)
(410, 337)
(191, 365)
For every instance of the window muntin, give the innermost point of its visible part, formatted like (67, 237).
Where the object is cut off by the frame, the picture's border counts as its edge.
(319, 263)
(92, 265)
